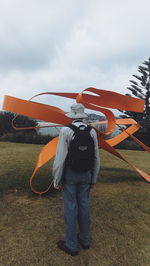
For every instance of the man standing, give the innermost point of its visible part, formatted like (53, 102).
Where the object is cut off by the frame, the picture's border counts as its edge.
(75, 170)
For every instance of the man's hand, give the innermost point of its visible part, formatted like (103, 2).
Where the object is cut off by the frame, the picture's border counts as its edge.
(59, 188)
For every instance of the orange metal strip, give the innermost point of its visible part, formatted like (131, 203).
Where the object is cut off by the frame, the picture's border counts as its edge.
(46, 154)
(94, 102)
(35, 110)
(105, 145)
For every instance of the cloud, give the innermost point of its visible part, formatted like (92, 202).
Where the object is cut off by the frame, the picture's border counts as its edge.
(68, 45)
(31, 31)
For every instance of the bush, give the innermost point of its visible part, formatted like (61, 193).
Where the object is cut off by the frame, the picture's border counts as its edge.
(20, 121)
(24, 137)
(128, 145)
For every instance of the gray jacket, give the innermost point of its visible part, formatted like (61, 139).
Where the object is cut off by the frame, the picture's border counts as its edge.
(62, 150)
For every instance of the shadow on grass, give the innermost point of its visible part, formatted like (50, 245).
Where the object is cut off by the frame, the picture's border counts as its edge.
(113, 175)
(13, 184)
(50, 193)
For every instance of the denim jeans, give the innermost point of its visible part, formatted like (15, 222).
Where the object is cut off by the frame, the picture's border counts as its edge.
(76, 207)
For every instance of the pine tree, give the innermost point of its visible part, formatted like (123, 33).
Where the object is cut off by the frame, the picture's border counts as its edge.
(140, 88)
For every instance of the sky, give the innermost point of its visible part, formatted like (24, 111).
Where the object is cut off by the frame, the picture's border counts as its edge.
(69, 45)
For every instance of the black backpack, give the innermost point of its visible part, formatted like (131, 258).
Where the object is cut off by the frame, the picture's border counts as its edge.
(81, 151)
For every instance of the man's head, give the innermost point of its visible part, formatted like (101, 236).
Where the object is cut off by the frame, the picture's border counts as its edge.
(77, 111)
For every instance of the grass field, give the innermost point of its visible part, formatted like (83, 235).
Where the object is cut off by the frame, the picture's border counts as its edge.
(31, 225)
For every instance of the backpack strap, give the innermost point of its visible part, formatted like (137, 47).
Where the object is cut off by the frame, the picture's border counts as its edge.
(88, 128)
(73, 127)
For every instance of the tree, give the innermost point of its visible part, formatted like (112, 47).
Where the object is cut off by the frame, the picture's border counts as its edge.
(141, 89)
(20, 121)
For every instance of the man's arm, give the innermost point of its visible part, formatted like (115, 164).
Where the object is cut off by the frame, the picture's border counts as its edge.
(96, 166)
(59, 161)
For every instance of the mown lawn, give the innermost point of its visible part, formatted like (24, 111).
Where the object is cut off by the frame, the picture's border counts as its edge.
(30, 225)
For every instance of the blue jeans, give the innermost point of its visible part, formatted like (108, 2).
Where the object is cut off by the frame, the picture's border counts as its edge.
(76, 207)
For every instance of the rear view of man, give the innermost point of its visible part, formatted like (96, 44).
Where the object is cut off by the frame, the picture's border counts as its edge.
(75, 170)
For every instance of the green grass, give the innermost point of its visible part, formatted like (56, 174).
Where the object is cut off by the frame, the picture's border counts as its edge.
(17, 164)
(31, 225)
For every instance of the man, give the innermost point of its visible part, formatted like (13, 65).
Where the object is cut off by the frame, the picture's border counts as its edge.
(75, 185)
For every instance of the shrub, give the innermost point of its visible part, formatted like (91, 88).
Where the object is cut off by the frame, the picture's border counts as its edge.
(25, 137)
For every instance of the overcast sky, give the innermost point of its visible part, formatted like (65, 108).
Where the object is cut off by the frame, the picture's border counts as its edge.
(69, 45)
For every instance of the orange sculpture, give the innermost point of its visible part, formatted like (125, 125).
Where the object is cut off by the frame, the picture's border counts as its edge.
(95, 101)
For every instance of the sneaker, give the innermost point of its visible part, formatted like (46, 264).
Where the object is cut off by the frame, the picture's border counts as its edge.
(61, 244)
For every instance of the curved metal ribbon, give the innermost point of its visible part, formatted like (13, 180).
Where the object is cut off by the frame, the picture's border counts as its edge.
(92, 98)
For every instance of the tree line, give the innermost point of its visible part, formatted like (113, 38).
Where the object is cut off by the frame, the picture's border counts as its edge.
(8, 133)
